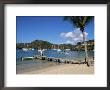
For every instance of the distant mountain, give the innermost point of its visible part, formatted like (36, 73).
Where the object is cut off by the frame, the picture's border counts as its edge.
(37, 44)
(40, 44)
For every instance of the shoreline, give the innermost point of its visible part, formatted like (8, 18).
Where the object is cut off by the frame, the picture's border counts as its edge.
(61, 68)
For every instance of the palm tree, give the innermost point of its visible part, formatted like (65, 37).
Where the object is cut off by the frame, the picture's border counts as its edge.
(81, 22)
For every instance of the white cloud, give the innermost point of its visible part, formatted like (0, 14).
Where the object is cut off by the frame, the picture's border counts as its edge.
(69, 35)
(73, 36)
(69, 42)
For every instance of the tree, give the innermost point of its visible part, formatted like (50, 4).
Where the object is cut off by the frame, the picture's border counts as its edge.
(81, 22)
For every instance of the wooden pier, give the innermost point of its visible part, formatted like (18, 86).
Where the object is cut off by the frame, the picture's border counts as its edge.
(58, 60)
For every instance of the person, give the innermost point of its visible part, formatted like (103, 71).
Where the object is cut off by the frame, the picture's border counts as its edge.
(59, 61)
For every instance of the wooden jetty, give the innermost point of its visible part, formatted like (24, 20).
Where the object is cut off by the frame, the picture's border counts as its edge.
(34, 57)
(58, 60)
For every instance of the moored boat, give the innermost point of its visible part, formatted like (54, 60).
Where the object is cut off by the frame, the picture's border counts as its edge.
(25, 49)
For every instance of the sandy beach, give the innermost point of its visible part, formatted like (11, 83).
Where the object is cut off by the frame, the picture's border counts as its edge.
(63, 69)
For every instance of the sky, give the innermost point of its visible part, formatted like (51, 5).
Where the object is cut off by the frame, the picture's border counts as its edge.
(50, 28)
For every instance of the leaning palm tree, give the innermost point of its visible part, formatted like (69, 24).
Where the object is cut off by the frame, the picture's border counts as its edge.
(81, 22)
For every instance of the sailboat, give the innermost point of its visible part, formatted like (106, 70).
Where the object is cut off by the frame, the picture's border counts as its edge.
(67, 49)
(32, 48)
(58, 50)
(53, 47)
(25, 49)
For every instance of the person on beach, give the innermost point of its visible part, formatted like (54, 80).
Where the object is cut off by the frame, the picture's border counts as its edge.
(59, 61)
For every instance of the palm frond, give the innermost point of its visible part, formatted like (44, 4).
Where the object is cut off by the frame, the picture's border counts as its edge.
(78, 21)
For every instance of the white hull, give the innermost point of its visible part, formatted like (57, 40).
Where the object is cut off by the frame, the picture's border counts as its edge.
(58, 50)
(67, 49)
(24, 49)
(32, 49)
(54, 49)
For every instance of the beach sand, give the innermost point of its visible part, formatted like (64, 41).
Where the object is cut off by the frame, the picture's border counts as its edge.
(63, 69)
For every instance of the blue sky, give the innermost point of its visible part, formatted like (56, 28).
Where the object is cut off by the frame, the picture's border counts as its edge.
(48, 28)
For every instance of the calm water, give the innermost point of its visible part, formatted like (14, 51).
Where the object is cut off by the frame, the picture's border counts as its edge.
(53, 53)
(26, 65)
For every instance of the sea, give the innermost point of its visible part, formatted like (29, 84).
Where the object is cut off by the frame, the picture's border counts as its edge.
(29, 65)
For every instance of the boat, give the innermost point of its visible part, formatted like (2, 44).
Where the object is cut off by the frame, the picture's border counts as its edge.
(25, 49)
(32, 49)
(27, 58)
(58, 50)
(54, 49)
(67, 49)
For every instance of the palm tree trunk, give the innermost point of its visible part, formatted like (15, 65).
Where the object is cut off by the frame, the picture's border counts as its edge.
(86, 54)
